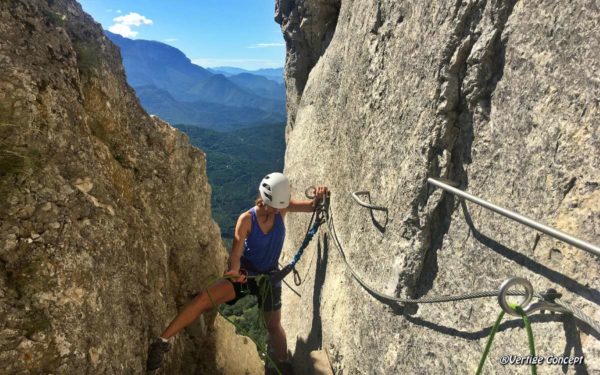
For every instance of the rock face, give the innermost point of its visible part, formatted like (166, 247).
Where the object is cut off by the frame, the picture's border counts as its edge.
(498, 96)
(308, 27)
(105, 218)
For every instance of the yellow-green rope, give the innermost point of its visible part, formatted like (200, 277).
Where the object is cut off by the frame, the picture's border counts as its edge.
(489, 342)
(530, 340)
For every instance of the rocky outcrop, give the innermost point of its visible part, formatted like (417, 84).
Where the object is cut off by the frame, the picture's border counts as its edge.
(308, 27)
(105, 218)
(498, 96)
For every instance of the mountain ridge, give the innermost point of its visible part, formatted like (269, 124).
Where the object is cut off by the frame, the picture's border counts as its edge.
(196, 91)
(214, 116)
(275, 74)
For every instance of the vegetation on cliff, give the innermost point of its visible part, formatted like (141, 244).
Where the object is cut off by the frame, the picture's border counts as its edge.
(236, 162)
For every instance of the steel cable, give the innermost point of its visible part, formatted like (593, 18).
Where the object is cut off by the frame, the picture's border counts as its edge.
(441, 299)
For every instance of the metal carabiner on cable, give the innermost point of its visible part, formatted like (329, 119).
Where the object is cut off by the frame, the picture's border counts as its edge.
(322, 205)
(525, 304)
(310, 192)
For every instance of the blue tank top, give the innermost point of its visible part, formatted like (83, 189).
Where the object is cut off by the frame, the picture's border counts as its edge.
(262, 251)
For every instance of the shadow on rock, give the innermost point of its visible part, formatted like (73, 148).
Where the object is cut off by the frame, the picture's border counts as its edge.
(566, 282)
(302, 359)
(477, 335)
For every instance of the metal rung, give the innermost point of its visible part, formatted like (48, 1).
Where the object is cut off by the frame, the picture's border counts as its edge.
(365, 204)
(593, 249)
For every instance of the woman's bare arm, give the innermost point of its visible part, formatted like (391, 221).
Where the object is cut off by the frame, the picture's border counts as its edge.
(242, 229)
(307, 205)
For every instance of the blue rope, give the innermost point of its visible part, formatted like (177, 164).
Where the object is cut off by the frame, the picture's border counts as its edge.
(276, 277)
(309, 236)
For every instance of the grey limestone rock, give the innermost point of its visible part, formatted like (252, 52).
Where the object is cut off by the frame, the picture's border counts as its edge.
(105, 217)
(500, 97)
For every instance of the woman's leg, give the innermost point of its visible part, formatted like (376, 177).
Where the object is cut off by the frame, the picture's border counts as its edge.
(277, 338)
(221, 291)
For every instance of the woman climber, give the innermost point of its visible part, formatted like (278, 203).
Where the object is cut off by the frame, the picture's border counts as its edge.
(257, 245)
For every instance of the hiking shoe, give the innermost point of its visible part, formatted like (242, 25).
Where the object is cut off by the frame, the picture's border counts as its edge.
(156, 352)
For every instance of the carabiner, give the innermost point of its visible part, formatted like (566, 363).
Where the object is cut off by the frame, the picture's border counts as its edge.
(310, 192)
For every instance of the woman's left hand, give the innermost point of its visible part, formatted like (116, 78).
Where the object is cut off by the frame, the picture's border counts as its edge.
(320, 192)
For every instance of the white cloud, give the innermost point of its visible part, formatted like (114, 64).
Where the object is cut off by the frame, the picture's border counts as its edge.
(119, 11)
(123, 30)
(250, 64)
(133, 19)
(171, 40)
(124, 24)
(267, 45)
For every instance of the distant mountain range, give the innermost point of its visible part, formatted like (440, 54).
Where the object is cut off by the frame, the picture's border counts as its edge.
(236, 116)
(169, 85)
(275, 74)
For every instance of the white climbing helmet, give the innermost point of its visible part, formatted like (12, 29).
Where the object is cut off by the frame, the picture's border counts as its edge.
(275, 190)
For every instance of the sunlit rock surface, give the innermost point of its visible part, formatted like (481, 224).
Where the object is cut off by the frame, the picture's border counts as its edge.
(105, 218)
(498, 96)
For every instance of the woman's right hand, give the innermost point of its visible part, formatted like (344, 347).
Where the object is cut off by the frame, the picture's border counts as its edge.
(241, 276)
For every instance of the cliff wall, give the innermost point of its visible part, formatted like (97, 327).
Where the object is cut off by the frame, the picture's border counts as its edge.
(105, 217)
(500, 97)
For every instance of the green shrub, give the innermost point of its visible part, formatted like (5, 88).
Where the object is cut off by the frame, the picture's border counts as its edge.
(11, 163)
(88, 58)
(248, 320)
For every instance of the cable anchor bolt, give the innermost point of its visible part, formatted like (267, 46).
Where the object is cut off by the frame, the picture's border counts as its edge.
(526, 304)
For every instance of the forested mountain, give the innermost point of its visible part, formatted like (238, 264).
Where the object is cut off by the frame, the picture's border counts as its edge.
(215, 116)
(236, 162)
(261, 85)
(153, 63)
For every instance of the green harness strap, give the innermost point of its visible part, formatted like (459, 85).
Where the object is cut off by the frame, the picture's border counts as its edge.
(486, 351)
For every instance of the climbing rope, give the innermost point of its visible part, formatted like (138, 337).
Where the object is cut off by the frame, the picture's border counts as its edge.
(529, 337)
(580, 315)
(316, 220)
(436, 299)
(531, 342)
(488, 345)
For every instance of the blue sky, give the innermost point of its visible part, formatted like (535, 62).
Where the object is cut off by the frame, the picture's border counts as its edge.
(240, 33)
